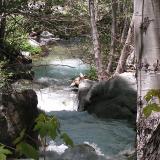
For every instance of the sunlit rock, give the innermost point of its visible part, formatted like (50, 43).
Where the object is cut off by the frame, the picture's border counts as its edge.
(33, 43)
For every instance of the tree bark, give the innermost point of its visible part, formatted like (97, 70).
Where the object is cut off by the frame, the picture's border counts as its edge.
(95, 39)
(126, 50)
(125, 30)
(147, 45)
(2, 22)
(113, 35)
(151, 150)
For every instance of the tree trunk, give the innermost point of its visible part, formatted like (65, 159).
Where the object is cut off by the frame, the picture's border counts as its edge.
(2, 23)
(125, 30)
(96, 10)
(126, 50)
(95, 39)
(151, 150)
(113, 35)
(147, 44)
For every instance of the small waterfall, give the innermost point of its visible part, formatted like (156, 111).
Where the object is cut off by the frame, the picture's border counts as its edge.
(111, 138)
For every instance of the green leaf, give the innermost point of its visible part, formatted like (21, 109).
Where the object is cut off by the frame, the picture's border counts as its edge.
(149, 108)
(19, 139)
(2, 156)
(28, 150)
(41, 118)
(47, 126)
(4, 152)
(152, 93)
(41, 128)
(68, 141)
(52, 130)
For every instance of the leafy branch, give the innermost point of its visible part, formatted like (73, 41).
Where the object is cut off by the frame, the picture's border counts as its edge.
(151, 104)
(47, 127)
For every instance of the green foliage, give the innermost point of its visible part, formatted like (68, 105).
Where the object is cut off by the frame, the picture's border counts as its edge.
(25, 46)
(4, 152)
(151, 106)
(20, 138)
(23, 148)
(26, 149)
(47, 126)
(5, 74)
(16, 34)
(92, 73)
(68, 141)
(58, 2)
(16, 31)
(152, 93)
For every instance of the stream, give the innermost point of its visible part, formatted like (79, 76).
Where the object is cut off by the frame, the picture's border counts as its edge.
(111, 138)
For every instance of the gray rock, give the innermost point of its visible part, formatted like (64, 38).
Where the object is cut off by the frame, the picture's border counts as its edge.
(115, 98)
(78, 152)
(81, 152)
(83, 89)
(18, 112)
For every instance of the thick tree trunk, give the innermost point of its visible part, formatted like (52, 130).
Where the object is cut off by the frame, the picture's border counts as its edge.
(126, 50)
(95, 39)
(113, 35)
(151, 150)
(147, 43)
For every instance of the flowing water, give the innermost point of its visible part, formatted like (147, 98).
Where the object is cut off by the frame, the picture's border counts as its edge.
(111, 138)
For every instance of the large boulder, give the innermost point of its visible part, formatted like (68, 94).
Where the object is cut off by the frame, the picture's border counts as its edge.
(83, 89)
(115, 98)
(18, 111)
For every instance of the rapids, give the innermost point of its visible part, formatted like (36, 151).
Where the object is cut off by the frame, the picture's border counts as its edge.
(111, 138)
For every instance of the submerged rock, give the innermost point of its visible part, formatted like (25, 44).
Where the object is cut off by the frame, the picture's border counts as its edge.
(115, 98)
(78, 152)
(81, 152)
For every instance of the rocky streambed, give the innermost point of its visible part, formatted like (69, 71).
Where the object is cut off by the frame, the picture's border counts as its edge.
(112, 137)
(109, 137)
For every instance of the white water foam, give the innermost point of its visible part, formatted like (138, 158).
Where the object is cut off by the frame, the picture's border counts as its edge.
(53, 146)
(56, 101)
(97, 149)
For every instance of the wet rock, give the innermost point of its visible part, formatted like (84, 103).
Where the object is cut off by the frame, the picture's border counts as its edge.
(45, 38)
(18, 112)
(83, 89)
(115, 98)
(33, 43)
(78, 152)
(81, 152)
